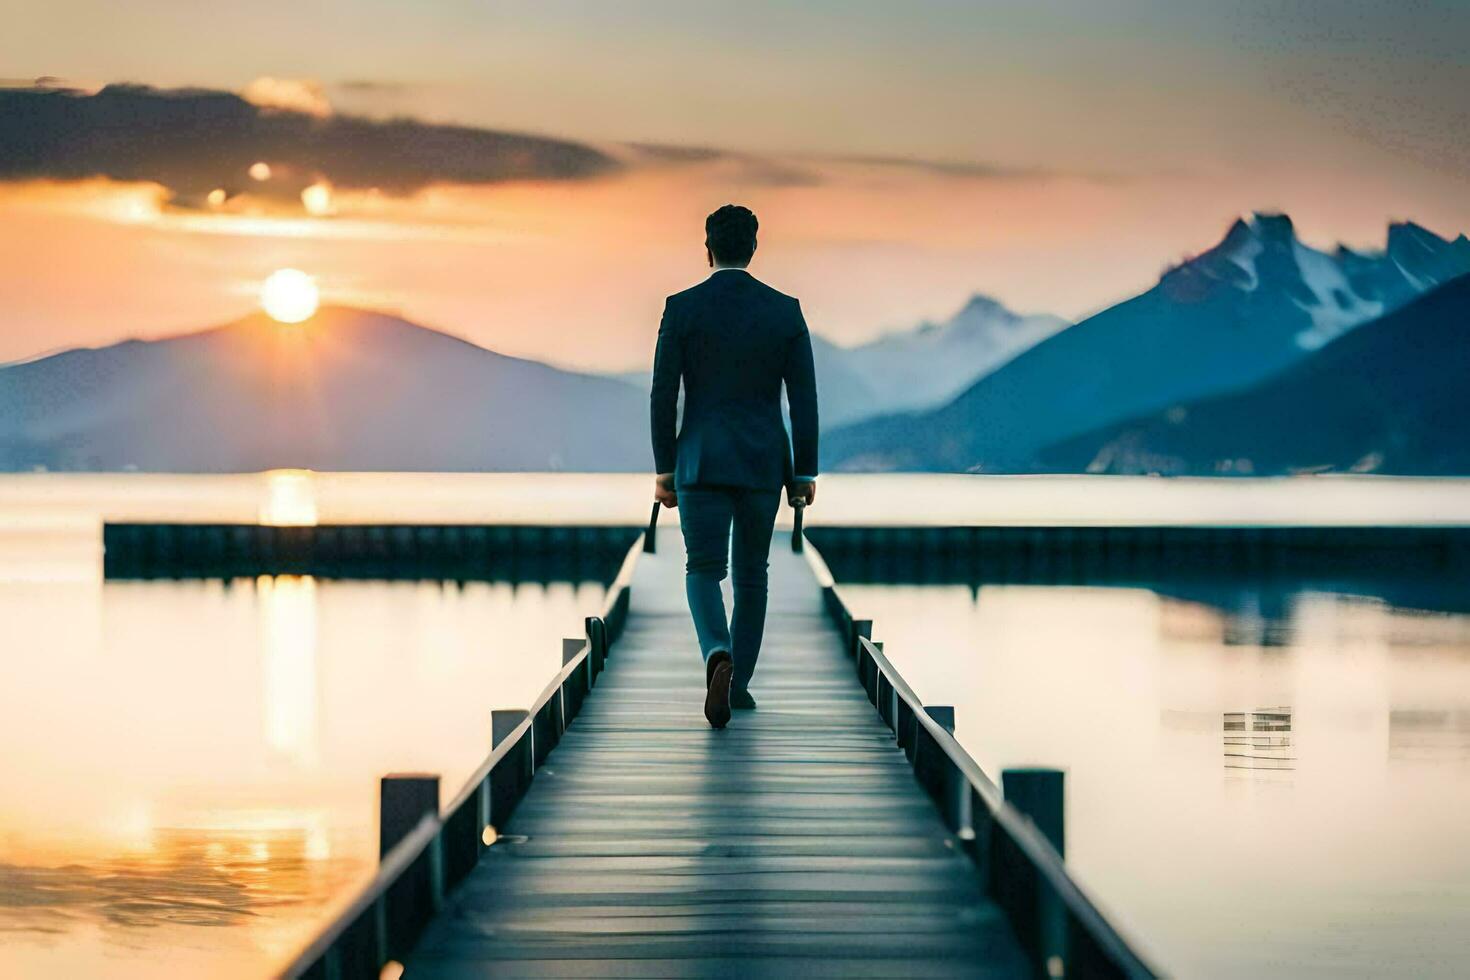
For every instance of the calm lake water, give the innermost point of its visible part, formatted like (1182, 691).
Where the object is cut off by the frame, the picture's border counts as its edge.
(1275, 786)
(192, 767)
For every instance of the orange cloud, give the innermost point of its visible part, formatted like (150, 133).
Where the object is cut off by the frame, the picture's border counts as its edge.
(303, 95)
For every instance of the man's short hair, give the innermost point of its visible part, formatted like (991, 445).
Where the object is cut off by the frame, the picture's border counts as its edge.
(730, 234)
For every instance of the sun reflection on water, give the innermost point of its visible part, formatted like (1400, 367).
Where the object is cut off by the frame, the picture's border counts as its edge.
(290, 499)
(289, 661)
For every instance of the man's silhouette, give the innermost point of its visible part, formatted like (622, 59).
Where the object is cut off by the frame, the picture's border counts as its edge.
(732, 341)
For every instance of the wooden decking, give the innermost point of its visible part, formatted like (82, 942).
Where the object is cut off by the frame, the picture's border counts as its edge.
(794, 842)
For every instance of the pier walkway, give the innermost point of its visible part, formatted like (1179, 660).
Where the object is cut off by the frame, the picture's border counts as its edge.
(794, 842)
(838, 830)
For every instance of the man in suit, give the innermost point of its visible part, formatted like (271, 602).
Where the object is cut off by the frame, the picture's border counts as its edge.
(732, 341)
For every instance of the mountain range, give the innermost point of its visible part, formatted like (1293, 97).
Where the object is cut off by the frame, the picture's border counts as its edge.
(1251, 357)
(347, 390)
(1253, 305)
(1391, 396)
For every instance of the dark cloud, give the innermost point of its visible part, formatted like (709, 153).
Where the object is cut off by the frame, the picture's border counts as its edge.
(194, 140)
(742, 168)
(373, 86)
(946, 168)
(808, 170)
(981, 170)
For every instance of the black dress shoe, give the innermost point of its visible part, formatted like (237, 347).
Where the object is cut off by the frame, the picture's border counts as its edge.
(741, 699)
(717, 673)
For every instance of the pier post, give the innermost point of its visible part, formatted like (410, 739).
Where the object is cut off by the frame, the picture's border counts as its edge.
(860, 628)
(578, 683)
(403, 800)
(596, 629)
(942, 713)
(1039, 794)
(937, 772)
(511, 776)
(503, 721)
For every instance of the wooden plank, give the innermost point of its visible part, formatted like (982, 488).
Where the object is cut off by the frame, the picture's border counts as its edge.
(794, 842)
(707, 967)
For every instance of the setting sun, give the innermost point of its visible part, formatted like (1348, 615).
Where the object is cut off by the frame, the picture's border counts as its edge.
(289, 295)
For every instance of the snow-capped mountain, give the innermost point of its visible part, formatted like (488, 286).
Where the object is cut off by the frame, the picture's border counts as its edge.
(1254, 304)
(346, 390)
(1340, 290)
(1388, 397)
(929, 365)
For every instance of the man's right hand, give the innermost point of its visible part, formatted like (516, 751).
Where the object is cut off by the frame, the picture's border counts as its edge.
(663, 490)
(806, 493)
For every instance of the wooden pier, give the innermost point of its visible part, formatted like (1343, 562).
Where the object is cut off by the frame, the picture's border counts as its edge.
(794, 842)
(837, 830)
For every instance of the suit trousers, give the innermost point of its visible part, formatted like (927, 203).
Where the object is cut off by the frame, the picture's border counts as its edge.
(728, 529)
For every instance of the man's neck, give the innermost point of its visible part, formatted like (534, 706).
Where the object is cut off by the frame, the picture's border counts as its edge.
(727, 268)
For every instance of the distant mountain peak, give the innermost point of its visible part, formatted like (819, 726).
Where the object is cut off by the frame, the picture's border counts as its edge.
(1273, 227)
(347, 389)
(981, 313)
(1401, 231)
(980, 304)
(1337, 290)
(1259, 228)
(343, 328)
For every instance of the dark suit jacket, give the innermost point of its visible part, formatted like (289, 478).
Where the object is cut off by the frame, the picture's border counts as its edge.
(733, 340)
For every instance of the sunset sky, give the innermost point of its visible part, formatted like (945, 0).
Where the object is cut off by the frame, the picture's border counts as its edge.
(1054, 154)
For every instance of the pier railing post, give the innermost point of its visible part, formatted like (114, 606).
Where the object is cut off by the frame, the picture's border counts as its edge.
(942, 713)
(597, 634)
(512, 774)
(404, 799)
(860, 628)
(937, 772)
(1039, 793)
(578, 683)
(503, 721)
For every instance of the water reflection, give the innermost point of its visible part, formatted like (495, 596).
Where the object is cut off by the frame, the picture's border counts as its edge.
(182, 877)
(1259, 740)
(289, 499)
(1264, 778)
(289, 664)
(1432, 736)
(193, 765)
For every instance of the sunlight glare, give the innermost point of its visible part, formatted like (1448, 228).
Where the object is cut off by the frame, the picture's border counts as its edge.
(317, 199)
(289, 666)
(290, 499)
(260, 170)
(289, 295)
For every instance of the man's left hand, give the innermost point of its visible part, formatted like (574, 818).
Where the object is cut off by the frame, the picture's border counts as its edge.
(802, 494)
(663, 490)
